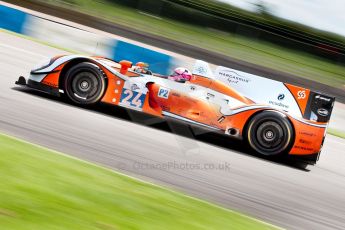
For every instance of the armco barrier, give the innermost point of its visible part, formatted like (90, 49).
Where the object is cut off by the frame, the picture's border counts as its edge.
(12, 19)
(82, 41)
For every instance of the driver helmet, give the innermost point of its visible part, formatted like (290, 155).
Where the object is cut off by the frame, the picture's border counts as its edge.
(142, 67)
(180, 74)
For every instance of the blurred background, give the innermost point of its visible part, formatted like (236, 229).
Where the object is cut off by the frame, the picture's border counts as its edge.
(279, 36)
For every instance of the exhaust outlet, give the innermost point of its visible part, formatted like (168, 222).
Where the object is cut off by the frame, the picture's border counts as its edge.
(232, 131)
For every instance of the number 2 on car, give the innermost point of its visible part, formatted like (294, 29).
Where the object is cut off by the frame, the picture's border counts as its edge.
(131, 98)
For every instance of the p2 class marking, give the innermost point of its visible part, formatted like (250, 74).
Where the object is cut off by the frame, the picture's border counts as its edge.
(163, 92)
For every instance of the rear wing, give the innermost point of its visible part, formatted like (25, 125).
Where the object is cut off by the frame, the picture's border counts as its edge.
(295, 100)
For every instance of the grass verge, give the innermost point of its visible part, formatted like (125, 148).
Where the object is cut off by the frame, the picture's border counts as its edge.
(38, 41)
(336, 132)
(248, 49)
(41, 189)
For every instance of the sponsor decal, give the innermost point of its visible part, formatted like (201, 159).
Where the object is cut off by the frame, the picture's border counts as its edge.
(210, 95)
(319, 97)
(176, 94)
(201, 70)
(50, 84)
(306, 133)
(279, 104)
(301, 94)
(233, 77)
(163, 93)
(134, 87)
(323, 112)
(281, 97)
(304, 148)
(303, 141)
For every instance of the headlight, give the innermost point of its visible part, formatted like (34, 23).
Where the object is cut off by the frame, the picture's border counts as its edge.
(43, 64)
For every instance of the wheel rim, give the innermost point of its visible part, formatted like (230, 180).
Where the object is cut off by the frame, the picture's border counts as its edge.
(270, 134)
(84, 86)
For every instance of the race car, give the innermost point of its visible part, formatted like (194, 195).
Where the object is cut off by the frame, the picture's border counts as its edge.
(274, 118)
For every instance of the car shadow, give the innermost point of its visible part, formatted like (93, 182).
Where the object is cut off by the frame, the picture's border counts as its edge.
(172, 126)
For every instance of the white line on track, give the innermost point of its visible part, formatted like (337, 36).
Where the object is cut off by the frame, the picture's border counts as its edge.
(23, 50)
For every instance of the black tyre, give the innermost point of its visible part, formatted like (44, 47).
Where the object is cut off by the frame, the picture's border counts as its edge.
(270, 133)
(84, 83)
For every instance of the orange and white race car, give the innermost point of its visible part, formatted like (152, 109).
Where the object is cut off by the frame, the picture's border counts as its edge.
(275, 118)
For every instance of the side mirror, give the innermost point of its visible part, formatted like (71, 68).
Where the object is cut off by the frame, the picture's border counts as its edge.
(125, 65)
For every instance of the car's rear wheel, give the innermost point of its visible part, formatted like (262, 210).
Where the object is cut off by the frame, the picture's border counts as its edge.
(270, 133)
(84, 83)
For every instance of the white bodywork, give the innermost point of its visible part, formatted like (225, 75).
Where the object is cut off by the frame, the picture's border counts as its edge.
(260, 90)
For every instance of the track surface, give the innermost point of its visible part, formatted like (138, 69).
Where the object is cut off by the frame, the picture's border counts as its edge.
(273, 192)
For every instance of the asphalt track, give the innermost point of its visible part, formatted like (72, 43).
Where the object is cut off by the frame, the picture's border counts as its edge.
(271, 191)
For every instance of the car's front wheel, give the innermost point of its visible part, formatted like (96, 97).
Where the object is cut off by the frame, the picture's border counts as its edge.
(84, 83)
(270, 133)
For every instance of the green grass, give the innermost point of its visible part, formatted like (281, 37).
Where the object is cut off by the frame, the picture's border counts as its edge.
(250, 50)
(41, 189)
(336, 132)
